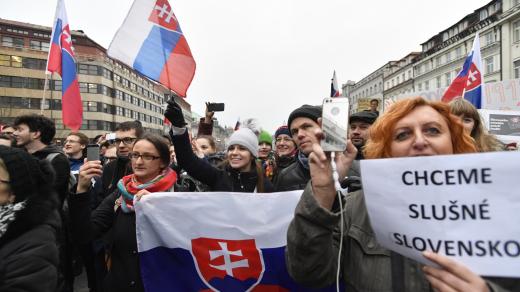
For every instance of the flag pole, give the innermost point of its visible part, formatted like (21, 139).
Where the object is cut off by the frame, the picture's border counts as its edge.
(45, 85)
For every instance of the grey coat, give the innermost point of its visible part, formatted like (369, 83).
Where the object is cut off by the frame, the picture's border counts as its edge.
(313, 244)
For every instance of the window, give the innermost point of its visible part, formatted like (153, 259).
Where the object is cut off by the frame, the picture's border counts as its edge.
(516, 66)
(128, 98)
(427, 85)
(57, 85)
(438, 79)
(17, 82)
(5, 60)
(10, 29)
(483, 14)
(516, 31)
(83, 87)
(397, 80)
(37, 64)
(107, 73)
(419, 87)
(489, 64)
(39, 45)
(489, 38)
(12, 42)
(438, 61)
(88, 69)
(448, 57)
(458, 52)
(92, 88)
(119, 111)
(448, 78)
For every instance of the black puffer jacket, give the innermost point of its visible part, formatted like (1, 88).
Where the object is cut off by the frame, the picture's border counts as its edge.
(293, 177)
(227, 179)
(28, 250)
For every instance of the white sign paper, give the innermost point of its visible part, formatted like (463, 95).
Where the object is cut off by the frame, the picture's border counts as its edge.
(464, 206)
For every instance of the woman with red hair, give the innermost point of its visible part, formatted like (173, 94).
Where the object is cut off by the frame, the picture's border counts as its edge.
(412, 127)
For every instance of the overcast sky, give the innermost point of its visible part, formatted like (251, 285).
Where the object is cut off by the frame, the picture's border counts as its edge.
(265, 58)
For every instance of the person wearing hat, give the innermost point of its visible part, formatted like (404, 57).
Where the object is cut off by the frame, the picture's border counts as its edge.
(359, 124)
(29, 222)
(265, 153)
(240, 171)
(285, 149)
(303, 123)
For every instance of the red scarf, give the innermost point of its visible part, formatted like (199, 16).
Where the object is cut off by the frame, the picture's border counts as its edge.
(129, 186)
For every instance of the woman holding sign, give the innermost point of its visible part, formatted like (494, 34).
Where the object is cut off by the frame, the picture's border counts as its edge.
(412, 127)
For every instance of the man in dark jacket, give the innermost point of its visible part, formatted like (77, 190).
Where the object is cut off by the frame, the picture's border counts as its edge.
(302, 123)
(35, 134)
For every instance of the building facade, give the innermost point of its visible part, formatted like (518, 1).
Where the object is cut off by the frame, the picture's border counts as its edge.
(111, 91)
(429, 72)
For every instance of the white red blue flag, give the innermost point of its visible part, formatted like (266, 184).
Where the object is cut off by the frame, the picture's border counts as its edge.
(151, 41)
(61, 60)
(334, 89)
(469, 83)
(215, 241)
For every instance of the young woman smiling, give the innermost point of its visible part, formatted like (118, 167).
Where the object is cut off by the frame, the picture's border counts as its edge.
(240, 172)
(115, 218)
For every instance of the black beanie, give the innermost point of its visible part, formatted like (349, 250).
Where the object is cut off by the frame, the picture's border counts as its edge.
(312, 112)
(27, 174)
(364, 116)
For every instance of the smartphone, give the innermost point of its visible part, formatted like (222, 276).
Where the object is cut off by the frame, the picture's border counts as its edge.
(93, 152)
(110, 136)
(215, 107)
(334, 123)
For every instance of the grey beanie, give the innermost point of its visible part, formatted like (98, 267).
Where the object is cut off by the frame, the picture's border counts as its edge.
(245, 137)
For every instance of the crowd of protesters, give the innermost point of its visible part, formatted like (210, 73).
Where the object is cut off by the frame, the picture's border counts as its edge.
(61, 213)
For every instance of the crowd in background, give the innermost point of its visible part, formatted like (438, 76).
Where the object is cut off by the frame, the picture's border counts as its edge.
(61, 213)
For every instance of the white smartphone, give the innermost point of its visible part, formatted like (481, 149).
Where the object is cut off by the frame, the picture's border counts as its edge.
(334, 123)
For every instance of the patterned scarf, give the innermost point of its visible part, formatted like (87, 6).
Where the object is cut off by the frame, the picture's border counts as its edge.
(129, 186)
(8, 214)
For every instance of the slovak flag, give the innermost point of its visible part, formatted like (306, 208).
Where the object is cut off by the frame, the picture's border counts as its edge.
(215, 241)
(469, 83)
(151, 41)
(61, 60)
(334, 89)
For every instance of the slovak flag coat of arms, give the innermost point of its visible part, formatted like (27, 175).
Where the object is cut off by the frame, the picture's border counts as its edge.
(215, 241)
(469, 83)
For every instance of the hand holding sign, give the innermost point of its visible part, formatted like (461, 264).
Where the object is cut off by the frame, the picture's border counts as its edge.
(453, 277)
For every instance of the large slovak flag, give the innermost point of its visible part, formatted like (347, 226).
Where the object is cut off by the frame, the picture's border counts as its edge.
(334, 89)
(61, 60)
(215, 241)
(151, 41)
(469, 83)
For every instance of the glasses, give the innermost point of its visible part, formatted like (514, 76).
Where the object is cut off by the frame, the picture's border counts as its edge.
(280, 139)
(145, 157)
(110, 158)
(71, 141)
(127, 140)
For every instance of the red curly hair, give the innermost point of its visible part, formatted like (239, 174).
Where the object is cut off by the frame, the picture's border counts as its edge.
(381, 132)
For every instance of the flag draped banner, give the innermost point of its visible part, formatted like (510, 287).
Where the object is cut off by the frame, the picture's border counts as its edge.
(215, 241)
(469, 83)
(334, 89)
(61, 60)
(151, 41)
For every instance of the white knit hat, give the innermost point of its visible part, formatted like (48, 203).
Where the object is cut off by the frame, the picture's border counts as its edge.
(245, 137)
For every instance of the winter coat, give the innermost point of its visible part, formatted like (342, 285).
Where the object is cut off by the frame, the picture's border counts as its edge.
(112, 173)
(28, 250)
(61, 167)
(227, 179)
(293, 177)
(124, 273)
(313, 243)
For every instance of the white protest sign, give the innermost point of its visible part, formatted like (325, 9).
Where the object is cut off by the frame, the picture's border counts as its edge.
(464, 206)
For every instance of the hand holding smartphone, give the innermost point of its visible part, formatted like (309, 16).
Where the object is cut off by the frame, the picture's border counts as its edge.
(93, 152)
(334, 124)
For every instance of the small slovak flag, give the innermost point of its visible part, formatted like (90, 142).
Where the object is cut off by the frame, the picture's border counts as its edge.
(469, 83)
(61, 60)
(334, 89)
